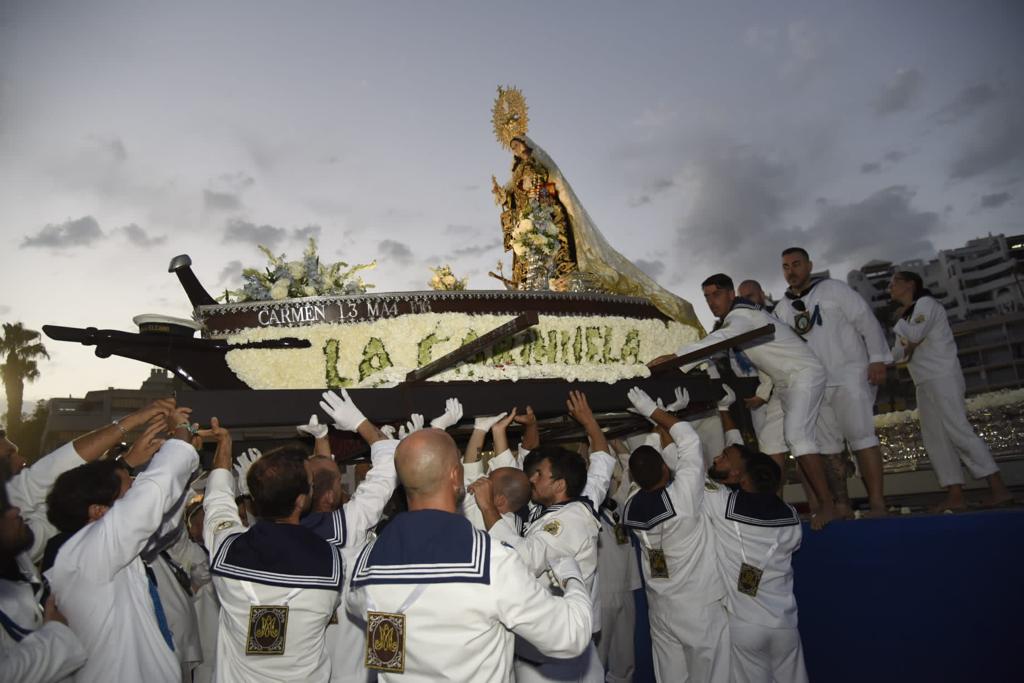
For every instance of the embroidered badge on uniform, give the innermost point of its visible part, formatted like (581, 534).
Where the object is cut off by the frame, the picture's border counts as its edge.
(268, 629)
(621, 537)
(659, 565)
(224, 525)
(385, 642)
(750, 579)
(710, 486)
(554, 527)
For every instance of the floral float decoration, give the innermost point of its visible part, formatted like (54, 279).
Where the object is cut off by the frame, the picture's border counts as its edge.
(444, 280)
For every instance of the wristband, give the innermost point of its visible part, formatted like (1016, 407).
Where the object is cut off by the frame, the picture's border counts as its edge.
(191, 429)
(117, 423)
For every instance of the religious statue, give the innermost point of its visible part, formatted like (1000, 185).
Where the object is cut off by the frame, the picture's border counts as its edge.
(541, 218)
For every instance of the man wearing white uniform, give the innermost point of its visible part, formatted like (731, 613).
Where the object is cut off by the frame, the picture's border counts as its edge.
(765, 406)
(845, 335)
(347, 524)
(564, 525)
(689, 626)
(924, 340)
(756, 534)
(440, 599)
(278, 582)
(796, 372)
(99, 579)
(36, 646)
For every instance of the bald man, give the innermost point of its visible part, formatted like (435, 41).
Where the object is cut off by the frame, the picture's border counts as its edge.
(430, 584)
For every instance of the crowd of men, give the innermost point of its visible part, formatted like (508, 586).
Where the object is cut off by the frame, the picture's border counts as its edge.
(443, 565)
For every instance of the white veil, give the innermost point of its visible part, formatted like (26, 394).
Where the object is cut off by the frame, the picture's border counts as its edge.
(595, 257)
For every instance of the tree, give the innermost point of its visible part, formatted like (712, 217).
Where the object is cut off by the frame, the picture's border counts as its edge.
(21, 348)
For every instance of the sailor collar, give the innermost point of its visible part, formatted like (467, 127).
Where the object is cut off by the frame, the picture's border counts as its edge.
(541, 511)
(425, 546)
(738, 303)
(760, 509)
(329, 526)
(807, 290)
(647, 509)
(909, 313)
(286, 555)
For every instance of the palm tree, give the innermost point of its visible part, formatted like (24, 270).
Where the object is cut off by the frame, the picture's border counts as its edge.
(20, 347)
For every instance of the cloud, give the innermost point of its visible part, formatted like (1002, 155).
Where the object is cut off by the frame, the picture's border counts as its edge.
(231, 272)
(395, 251)
(140, 237)
(894, 156)
(901, 93)
(4, 310)
(654, 269)
(991, 201)
(112, 147)
(242, 231)
(475, 250)
(968, 101)
(873, 167)
(307, 232)
(995, 144)
(453, 229)
(636, 202)
(800, 47)
(81, 232)
(653, 188)
(884, 223)
(221, 201)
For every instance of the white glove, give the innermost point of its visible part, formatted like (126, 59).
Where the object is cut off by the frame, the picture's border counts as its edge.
(341, 409)
(388, 431)
(712, 371)
(682, 400)
(728, 399)
(733, 438)
(451, 415)
(483, 424)
(314, 428)
(565, 568)
(642, 403)
(245, 461)
(414, 424)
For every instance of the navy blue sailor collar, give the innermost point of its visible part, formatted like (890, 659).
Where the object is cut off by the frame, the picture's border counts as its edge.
(647, 509)
(425, 546)
(541, 511)
(738, 302)
(329, 526)
(286, 555)
(806, 290)
(759, 509)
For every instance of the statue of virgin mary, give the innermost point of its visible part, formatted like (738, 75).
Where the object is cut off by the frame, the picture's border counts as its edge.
(582, 250)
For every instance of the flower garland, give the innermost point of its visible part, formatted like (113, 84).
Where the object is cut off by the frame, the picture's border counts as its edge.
(285, 279)
(986, 401)
(444, 280)
(380, 353)
(536, 230)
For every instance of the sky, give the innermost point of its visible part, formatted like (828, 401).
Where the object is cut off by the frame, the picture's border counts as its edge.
(700, 136)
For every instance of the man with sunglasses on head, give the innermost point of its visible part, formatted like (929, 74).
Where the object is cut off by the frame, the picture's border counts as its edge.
(844, 334)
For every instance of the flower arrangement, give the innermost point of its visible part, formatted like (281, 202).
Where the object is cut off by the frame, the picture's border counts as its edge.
(536, 231)
(283, 279)
(444, 280)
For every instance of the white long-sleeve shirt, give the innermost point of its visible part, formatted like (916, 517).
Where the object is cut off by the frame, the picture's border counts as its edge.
(100, 581)
(268, 564)
(936, 353)
(670, 520)
(784, 356)
(32, 651)
(844, 333)
(477, 595)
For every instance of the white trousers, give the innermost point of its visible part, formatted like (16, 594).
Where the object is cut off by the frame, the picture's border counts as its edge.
(615, 641)
(768, 426)
(690, 642)
(847, 415)
(583, 669)
(801, 401)
(947, 435)
(712, 436)
(766, 655)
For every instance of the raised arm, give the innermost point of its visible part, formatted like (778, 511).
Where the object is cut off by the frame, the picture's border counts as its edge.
(503, 456)
(221, 512)
(602, 464)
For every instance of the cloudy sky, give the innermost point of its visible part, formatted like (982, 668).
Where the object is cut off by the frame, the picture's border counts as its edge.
(700, 137)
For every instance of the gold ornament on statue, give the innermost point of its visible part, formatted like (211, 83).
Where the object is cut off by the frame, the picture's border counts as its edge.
(509, 115)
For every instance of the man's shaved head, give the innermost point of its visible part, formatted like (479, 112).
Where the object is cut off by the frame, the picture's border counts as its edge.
(513, 484)
(752, 291)
(425, 460)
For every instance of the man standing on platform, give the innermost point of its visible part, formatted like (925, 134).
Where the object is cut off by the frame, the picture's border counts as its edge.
(924, 340)
(845, 335)
(796, 372)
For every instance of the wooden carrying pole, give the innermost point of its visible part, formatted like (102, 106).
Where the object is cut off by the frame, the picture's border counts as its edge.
(708, 351)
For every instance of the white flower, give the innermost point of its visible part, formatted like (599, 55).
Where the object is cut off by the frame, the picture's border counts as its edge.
(309, 291)
(449, 280)
(296, 269)
(525, 225)
(280, 289)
